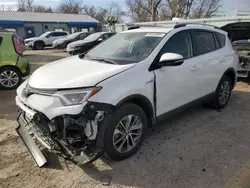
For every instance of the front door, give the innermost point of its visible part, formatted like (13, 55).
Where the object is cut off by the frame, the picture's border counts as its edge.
(177, 85)
(29, 32)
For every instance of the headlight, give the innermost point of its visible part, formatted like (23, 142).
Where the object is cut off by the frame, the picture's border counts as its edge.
(77, 96)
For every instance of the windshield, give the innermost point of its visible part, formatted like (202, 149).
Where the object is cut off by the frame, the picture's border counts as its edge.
(74, 35)
(93, 36)
(126, 48)
(44, 34)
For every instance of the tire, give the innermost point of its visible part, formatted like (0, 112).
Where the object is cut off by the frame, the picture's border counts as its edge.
(39, 45)
(10, 78)
(122, 114)
(225, 84)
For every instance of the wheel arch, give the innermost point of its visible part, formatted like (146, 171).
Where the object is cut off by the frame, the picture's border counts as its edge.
(231, 73)
(39, 41)
(11, 66)
(142, 102)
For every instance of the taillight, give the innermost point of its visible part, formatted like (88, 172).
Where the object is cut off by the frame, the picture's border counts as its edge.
(21, 41)
(16, 46)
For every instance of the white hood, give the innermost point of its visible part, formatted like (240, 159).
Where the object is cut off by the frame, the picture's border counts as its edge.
(73, 72)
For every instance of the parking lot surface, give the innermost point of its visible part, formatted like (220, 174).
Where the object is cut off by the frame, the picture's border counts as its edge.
(199, 147)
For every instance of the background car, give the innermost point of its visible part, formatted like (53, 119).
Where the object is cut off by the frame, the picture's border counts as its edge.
(46, 39)
(12, 64)
(63, 42)
(89, 42)
(241, 43)
(20, 39)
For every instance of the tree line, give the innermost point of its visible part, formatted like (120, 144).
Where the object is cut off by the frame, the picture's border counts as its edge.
(137, 10)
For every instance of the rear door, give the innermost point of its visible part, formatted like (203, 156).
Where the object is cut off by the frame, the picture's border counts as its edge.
(209, 57)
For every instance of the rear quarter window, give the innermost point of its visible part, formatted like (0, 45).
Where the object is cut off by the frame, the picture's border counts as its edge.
(221, 38)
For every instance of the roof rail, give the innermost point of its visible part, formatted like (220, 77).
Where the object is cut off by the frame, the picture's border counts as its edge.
(145, 26)
(186, 24)
(134, 27)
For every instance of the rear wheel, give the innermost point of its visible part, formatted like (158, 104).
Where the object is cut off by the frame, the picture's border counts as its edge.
(39, 45)
(125, 132)
(10, 78)
(223, 93)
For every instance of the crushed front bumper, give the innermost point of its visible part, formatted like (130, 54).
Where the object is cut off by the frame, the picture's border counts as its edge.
(34, 135)
(29, 142)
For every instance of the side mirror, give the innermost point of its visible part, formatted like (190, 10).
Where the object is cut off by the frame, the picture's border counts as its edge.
(48, 36)
(171, 59)
(100, 40)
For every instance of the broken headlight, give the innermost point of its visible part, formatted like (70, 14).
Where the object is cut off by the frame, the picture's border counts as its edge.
(76, 96)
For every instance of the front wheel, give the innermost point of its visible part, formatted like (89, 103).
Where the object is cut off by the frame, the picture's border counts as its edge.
(125, 132)
(223, 93)
(39, 45)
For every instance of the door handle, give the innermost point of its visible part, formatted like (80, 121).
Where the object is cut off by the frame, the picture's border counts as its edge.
(222, 60)
(195, 67)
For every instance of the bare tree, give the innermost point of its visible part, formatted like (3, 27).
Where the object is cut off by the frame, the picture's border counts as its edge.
(192, 8)
(206, 8)
(29, 6)
(25, 5)
(100, 13)
(70, 7)
(94, 12)
(136, 11)
(148, 9)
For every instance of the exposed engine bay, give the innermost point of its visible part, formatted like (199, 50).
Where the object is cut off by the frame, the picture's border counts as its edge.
(244, 60)
(72, 137)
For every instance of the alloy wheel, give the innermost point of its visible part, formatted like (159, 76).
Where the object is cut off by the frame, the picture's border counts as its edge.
(127, 133)
(9, 78)
(224, 92)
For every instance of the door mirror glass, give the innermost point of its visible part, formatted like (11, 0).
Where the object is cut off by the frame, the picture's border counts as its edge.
(100, 40)
(171, 59)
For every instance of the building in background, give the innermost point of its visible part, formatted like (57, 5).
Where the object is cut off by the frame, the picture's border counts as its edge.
(31, 24)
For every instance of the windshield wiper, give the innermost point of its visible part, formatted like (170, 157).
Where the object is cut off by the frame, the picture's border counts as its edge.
(103, 60)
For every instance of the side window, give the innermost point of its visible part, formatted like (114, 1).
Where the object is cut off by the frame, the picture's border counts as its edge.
(105, 36)
(63, 34)
(204, 42)
(82, 36)
(180, 43)
(1, 39)
(217, 43)
(52, 34)
(222, 39)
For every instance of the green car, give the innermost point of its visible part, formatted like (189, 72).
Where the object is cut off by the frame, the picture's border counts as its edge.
(13, 67)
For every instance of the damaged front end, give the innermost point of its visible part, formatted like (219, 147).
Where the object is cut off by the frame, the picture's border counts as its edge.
(74, 137)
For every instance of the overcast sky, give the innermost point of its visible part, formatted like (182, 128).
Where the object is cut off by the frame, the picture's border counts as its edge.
(228, 5)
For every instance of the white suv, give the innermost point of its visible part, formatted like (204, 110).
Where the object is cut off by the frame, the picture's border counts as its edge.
(46, 39)
(103, 100)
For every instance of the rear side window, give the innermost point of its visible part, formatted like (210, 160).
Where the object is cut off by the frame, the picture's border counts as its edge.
(58, 34)
(62, 34)
(204, 42)
(221, 38)
(1, 40)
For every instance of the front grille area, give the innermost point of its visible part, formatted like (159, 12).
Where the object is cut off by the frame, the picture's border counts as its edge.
(39, 134)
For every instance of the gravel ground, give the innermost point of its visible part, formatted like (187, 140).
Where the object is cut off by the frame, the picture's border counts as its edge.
(199, 147)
